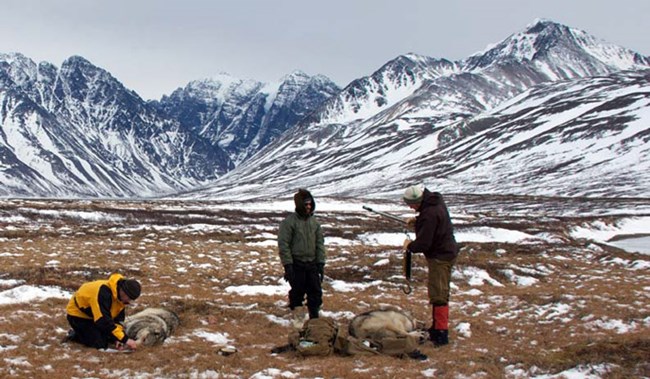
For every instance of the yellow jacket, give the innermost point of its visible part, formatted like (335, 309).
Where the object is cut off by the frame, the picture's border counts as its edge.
(99, 301)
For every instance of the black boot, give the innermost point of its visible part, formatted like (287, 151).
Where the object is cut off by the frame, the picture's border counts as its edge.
(417, 355)
(313, 313)
(70, 336)
(439, 337)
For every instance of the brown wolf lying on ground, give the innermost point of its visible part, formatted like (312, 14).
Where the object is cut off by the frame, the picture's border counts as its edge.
(151, 326)
(386, 322)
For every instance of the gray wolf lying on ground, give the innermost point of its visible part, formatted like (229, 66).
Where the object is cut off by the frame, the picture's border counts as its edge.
(387, 330)
(385, 322)
(151, 326)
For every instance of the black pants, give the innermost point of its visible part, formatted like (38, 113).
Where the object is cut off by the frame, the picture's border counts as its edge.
(306, 281)
(89, 334)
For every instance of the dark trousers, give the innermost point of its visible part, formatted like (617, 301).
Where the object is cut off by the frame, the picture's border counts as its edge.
(87, 333)
(306, 281)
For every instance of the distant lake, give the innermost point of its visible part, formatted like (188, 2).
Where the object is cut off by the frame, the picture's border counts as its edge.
(639, 244)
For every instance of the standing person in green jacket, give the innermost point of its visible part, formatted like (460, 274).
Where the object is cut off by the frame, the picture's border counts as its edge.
(302, 253)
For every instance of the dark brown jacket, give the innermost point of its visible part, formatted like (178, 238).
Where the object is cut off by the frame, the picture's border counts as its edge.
(434, 232)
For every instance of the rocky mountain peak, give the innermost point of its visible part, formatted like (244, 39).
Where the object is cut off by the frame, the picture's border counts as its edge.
(548, 43)
(296, 76)
(19, 68)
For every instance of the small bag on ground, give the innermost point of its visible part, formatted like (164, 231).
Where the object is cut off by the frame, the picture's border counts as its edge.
(316, 337)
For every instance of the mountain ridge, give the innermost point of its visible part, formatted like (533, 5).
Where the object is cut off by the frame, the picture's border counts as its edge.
(77, 131)
(369, 152)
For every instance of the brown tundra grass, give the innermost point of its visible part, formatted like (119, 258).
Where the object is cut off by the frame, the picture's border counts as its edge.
(187, 268)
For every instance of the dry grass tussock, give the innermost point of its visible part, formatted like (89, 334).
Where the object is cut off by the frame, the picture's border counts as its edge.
(189, 255)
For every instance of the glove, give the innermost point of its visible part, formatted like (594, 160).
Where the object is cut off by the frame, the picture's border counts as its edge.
(410, 222)
(321, 271)
(288, 272)
(406, 244)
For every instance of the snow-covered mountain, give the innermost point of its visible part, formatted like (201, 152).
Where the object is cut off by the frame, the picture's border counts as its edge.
(242, 116)
(419, 86)
(77, 131)
(573, 138)
(456, 125)
(549, 110)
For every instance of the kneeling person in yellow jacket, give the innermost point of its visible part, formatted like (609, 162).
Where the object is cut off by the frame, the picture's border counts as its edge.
(96, 311)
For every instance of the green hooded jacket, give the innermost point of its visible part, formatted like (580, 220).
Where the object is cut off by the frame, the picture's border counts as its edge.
(300, 237)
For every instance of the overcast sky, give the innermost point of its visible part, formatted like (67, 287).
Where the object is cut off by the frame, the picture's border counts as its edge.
(156, 46)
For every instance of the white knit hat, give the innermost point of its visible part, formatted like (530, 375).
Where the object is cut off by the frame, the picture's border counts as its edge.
(413, 195)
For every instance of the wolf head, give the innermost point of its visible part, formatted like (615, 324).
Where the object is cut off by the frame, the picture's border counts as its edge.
(151, 326)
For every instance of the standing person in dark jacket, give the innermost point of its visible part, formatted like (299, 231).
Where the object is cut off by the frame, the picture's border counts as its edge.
(302, 253)
(434, 236)
(96, 311)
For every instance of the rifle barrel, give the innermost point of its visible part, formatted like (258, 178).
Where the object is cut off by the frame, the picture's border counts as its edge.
(387, 215)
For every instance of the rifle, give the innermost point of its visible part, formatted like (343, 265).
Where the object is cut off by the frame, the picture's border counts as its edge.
(406, 259)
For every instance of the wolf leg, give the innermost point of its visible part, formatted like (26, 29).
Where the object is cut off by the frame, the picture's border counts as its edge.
(297, 317)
